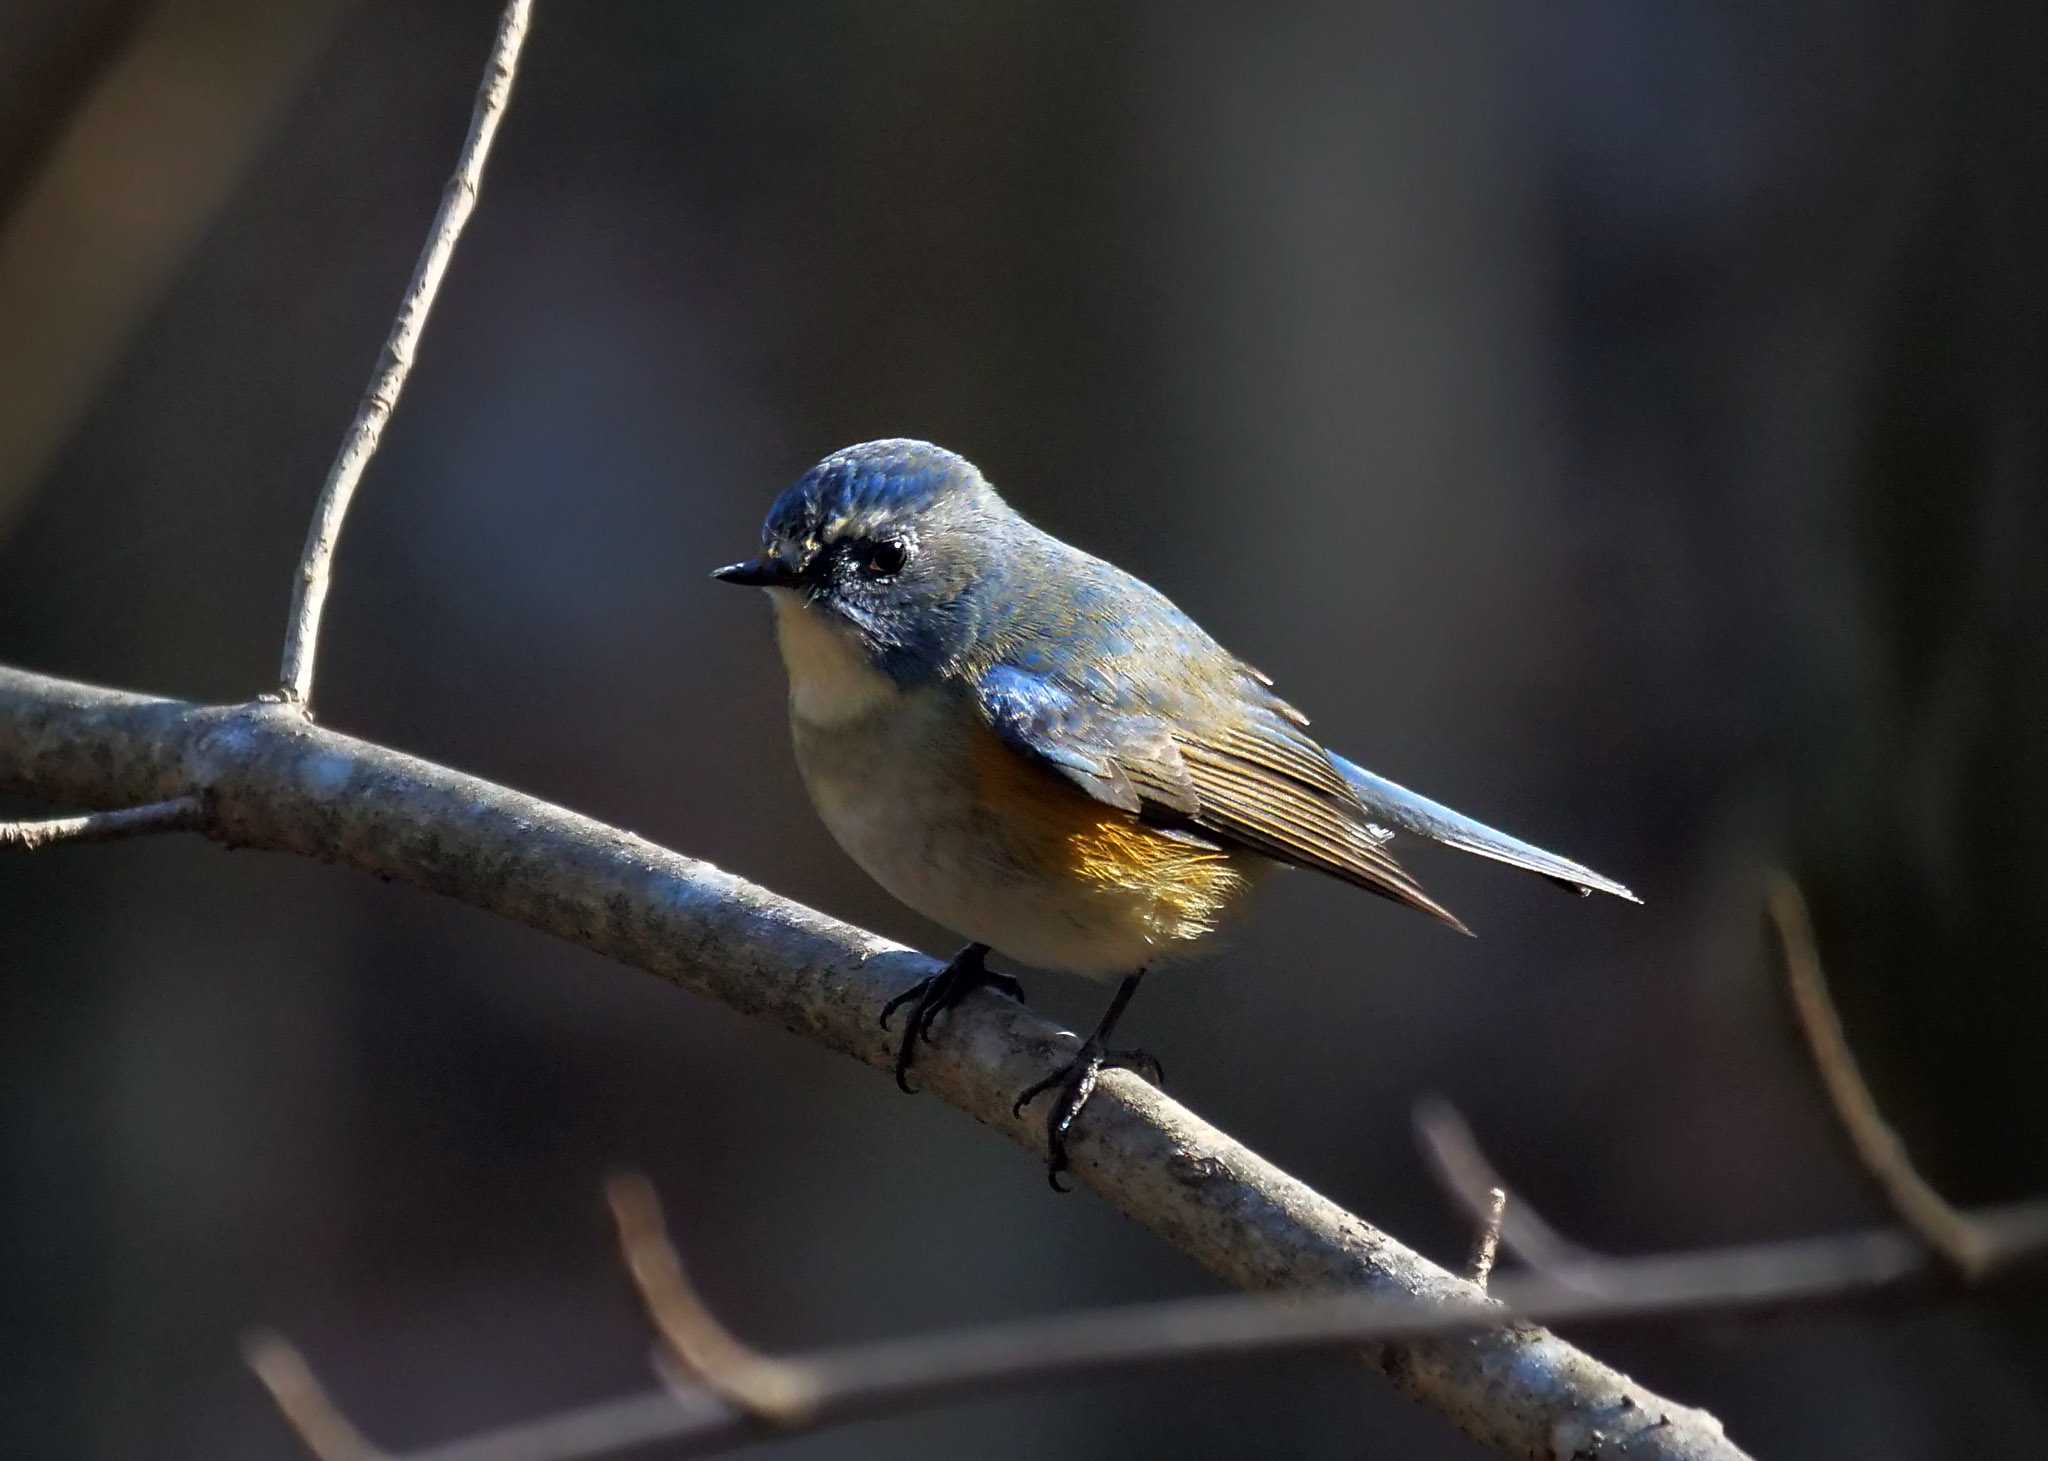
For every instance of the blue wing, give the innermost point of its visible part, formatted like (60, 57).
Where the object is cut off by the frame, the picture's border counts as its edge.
(1228, 761)
(1125, 760)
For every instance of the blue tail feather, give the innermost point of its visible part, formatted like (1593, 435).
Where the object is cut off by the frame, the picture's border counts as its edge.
(1403, 810)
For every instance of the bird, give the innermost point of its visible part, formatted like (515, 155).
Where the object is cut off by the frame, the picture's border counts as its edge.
(1042, 753)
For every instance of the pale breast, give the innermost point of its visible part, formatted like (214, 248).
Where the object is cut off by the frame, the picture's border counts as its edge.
(830, 679)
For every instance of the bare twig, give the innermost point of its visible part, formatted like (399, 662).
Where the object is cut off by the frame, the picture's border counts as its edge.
(307, 1408)
(1470, 1179)
(896, 1376)
(1486, 1243)
(1878, 1147)
(179, 814)
(275, 780)
(316, 563)
(762, 1387)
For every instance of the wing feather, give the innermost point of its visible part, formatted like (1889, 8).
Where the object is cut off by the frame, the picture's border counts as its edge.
(1243, 770)
(1269, 807)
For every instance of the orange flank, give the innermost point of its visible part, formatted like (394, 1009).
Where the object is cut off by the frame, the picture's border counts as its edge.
(1173, 891)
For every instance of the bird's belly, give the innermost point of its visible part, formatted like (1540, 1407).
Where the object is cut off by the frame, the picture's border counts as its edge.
(974, 836)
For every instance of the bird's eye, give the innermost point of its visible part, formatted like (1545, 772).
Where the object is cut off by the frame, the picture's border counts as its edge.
(885, 558)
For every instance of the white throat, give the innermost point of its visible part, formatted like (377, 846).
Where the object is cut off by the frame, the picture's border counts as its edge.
(830, 679)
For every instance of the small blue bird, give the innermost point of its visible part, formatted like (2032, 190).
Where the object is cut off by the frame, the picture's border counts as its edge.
(1032, 747)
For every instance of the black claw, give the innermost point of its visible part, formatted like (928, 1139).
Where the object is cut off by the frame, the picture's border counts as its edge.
(902, 999)
(929, 998)
(922, 992)
(1038, 1088)
(1076, 1081)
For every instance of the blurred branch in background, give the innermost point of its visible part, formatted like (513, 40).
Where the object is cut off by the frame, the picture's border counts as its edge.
(303, 1400)
(1470, 1179)
(766, 1389)
(134, 178)
(53, 61)
(1959, 1241)
(705, 1412)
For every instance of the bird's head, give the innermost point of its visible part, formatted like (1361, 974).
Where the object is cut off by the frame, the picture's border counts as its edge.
(882, 545)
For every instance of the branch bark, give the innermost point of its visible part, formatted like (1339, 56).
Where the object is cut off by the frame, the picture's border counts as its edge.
(274, 780)
(179, 814)
(1486, 1243)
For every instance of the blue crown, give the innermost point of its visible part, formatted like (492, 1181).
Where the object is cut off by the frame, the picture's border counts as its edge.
(872, 482)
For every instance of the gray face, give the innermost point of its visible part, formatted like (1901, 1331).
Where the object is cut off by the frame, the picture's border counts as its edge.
(888, 538)
(880, 576)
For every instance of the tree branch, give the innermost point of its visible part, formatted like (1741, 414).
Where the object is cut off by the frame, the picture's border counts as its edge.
(179, 814)
(326, 1433)
(275, 780)
(1464, 1172)
(848, 1384)
(1918, 1205)
(1486, 1242)
(316, 562)
(761, 1387)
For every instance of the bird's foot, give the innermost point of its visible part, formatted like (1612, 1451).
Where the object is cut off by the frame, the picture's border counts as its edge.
(1075, 1082)
(930, 998)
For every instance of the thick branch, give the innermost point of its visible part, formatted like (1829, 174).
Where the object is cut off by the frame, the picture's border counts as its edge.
(316, 562)
(274, 780)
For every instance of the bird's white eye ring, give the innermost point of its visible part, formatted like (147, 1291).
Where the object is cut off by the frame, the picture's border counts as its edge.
(885, 558)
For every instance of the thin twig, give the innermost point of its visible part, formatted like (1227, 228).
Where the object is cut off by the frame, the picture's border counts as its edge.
(316, 561)
(1486, 1243)
(764, 1388)
(902, 1375)
(179, 814)
(1878, 1147)
(304, 1402)
(1464, 1172)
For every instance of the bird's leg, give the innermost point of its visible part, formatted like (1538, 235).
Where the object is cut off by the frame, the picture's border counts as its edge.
(930, 998)
(1075, 1081)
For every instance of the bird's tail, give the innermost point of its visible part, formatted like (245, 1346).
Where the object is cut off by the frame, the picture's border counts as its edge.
(1403, 810)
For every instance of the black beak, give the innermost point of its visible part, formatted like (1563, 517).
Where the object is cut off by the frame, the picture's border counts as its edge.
(767, 571)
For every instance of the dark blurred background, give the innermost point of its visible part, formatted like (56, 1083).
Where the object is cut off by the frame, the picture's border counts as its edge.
(1626, 423)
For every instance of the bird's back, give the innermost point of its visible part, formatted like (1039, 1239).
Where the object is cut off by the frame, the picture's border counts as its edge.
(1103, 678)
